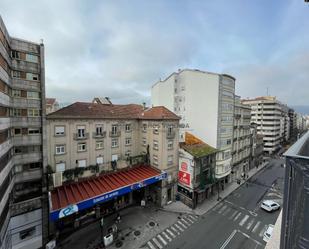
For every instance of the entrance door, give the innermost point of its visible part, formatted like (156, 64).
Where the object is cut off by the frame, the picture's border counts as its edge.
(169, 195)
(138, 195)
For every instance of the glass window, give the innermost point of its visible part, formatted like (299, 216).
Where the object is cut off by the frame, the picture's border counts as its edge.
(99, 145)
(59, 130)
(144, 127)
(32, 58)
(16, 74)
(81, 163)
(16, 93)
(99, 129)
(32, 76)
(81, 147)
(114, 142)
(128, 127)
(27, 233)
(100, 160)
(155, 145)
(60, 167)
(81, 131)
(60, 149)
(32, 131)
(128, 153)
(170, 144)
(17, 131)
(114, 129)
(170, 159)
(33, 95)
(33, 112)
(128, 141)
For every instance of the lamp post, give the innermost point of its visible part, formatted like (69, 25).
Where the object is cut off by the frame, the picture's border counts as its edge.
(101, 225)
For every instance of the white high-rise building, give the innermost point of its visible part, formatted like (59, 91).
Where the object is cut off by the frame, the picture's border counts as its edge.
(272, 119)
(205, 103)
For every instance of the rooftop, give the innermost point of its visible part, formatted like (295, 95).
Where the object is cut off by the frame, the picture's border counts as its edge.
(196, 147)
(300, 149)
(111, 111)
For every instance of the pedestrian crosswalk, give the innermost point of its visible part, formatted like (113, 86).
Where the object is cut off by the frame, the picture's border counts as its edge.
(162, 239)
(242, 217)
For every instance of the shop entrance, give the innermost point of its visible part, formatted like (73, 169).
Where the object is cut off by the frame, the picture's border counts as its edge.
(139, 195)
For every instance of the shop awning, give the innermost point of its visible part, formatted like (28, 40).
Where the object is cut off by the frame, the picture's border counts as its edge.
(71, 198)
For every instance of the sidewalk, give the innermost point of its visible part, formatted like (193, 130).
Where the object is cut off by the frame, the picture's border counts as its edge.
(208, 204)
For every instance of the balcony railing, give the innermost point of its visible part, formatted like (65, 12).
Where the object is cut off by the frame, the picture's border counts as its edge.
(99, 135)
(171, 134)
(25, 206)
(79, 137)
(114, 134)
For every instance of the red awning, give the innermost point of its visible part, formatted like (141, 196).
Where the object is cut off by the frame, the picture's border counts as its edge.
(79, 191)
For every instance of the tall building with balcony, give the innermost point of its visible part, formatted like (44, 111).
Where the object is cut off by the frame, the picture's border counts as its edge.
(272, 120)
(205, 103)
(100, 140)
(242, 139)
(22, 120)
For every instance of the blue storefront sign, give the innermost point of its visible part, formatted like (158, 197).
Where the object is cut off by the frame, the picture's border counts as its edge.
(73, 208)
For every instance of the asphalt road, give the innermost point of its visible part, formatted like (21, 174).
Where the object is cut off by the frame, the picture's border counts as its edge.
(237, 222)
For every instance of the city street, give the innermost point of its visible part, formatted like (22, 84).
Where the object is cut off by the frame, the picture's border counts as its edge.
(235, 222)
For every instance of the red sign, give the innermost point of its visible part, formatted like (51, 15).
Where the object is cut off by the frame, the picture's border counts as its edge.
(184, 178)
(184, 166)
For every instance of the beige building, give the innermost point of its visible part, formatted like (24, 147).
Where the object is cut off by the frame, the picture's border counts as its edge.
(93, 138)
(51, 105)
(241, 139)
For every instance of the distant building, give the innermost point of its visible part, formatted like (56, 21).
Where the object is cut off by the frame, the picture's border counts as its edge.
(205, 103)
(128, 150)
(22, 142)
(295, 218)
(257, 147)
(272, 119)
(51, 105)
(196, 176)
(293, 125)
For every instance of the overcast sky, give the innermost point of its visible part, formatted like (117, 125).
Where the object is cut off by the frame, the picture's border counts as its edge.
(120, 48)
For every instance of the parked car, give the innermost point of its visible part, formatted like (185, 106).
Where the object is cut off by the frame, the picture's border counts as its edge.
(268, 232)
(270, 205)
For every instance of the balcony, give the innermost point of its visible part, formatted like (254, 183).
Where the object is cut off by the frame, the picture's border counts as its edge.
(115, 134)
(25, 206)
(25, 84)
(99, 135)
(28, 158)
(77, 136)
(26, 121)
(23, 102)
(170, 135)
(21, 65)
(27, 140)
(28, 175)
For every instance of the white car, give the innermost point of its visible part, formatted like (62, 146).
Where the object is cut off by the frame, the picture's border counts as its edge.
(268, 233)
(270, 205)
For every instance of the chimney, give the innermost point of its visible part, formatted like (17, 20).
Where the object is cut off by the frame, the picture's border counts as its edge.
(144, 105)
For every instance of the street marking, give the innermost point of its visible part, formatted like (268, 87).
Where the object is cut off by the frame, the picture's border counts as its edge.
(262, 231)
(256, 226)
(191, 220)
(222, 209)
(160, 237)
(182, 224)
(157, 243)
(236, 218)
(218, 206)
(150, 245)
(253, 213)
(194, 217)
(175, 230)
(228, 239)
(170, 232)
(243, 221)
(250, 223)
(168, 237)
(226, 211)
(246, 235)
(186, 222)
(233, 215)
(179, 227)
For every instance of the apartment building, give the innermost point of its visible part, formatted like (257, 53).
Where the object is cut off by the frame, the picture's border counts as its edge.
(196, 175)
(242, 140)
(205, 103)
(293, 124)
(103, 140)
(22, 127)
(257, 148)
(272, 119)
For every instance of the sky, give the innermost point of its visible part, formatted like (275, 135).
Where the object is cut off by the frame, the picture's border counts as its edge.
(121, 48)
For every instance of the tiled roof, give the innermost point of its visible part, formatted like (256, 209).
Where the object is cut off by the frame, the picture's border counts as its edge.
(195, 146)
(111, 111)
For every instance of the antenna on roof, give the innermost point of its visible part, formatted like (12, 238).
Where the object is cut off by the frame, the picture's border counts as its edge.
(267, 93)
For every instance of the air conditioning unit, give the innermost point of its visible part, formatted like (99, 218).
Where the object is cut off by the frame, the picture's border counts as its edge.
(57, 179)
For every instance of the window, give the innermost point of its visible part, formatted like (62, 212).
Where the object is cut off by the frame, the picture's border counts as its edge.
(99, 145)
(144, 141)
(156, 129)
(17, 131)
(114, 158)
(32, 76)
(60, 167)
(81, 163)
(99, 130)
(15, 54)
(155, 159)
(60, 149)
(114, 129)
(100, 160)
(155, 145)
(114, 142)
(128, 127)
(16, 112)
(144, 127)
(18, 150)
(170, 159)
(227, 94)
(59, 130)
(81, 147)
(16, 74)
(33, 113)
(33, 131)
(32, 58)
(18, 168)
(170, 130)
(16, 93)
(30, 232)
(170, 144)
(228, 141)
(33, 95)
(128, 141)
(128, 153)
(80, 131)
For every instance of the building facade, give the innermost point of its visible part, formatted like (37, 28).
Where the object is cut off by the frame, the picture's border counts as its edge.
(22, 141)
(93, 139)
(242, 140)
(272, 119)
(295, 217)
(196, 175)
(257, 148)
(51, 105)
(205, 103)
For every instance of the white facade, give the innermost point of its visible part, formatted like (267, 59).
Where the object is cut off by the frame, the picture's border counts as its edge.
(205, 103)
